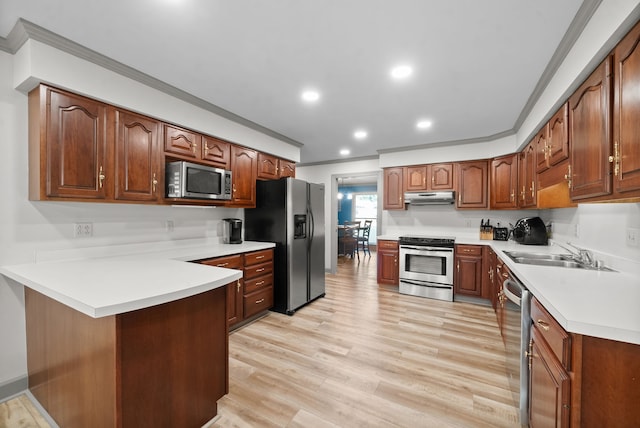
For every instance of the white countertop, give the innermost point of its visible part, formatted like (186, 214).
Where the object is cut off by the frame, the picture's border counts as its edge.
(114, 284)
(589, 302)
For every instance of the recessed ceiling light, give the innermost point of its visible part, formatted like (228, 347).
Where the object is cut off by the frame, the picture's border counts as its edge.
(401, 72)
(360, 134)
(345, 152)
(423, 124)
(310, 95)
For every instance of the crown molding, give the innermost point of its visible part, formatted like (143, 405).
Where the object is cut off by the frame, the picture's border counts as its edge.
(334, 161)
(25, 30)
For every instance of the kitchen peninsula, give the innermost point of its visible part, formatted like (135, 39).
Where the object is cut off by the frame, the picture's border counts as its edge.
(138, 339)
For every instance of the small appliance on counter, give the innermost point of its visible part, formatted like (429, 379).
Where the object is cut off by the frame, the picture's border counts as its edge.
(530, 231)
(500, 233)
(232, 231)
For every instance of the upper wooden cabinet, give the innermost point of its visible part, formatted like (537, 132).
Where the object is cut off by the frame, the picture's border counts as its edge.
(472, 184)
(183, 142)
(393, 189)
(438, 176)
(626, 115)
(216, 152)
(557, 137)
(272, 168)
(137, 158)
(245, 173)
(69, 155)
(590, 133)
(527, 173)
(504, 182)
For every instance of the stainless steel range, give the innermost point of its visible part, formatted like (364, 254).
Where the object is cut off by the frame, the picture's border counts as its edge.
(426, 266)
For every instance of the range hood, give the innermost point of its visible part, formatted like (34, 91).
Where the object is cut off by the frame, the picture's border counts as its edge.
(430, 198)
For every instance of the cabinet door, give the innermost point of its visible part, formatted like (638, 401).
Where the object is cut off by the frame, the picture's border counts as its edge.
(415, 178)
(287, 168)
(442, 176)
(541, 146)
(76, 146)
(504, 182)
(233, 289)
(527, 176)
(387, 268)
(215, 152)
(137, 166)
(626, 130)
(468, 277)
(393, 194)
(558, 136)
(244, 169)
(589, 122)
(181, 142)
(267, 167)
(472, 184)
(549, 388)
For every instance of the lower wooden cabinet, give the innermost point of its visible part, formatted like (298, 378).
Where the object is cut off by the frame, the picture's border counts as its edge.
(253, 293)
(467, 277)
(388, 266)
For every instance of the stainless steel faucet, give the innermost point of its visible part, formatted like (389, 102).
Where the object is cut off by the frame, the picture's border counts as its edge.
(582, 255)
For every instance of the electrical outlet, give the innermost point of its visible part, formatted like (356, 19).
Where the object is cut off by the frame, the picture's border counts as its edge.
(468, 223)
(82, 230)
(169, 225)
(576, 230)
(632, 237)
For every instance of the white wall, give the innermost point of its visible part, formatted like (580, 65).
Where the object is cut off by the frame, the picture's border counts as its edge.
(30, 230)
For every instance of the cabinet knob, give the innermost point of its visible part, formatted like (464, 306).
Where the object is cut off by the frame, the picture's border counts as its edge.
(238, 287)
(101, 177)
(154, 182)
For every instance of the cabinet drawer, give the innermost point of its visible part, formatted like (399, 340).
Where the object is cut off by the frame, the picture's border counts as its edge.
(258, 283)
(258, 270)
(257, 302)
(388, 245)
(469, 250)
(230, 262)
(258, 257)
(556, 337)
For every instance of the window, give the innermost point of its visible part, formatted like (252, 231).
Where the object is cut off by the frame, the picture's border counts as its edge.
(365, 207)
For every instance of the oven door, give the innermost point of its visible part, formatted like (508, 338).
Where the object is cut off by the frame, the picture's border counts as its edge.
(427, 264)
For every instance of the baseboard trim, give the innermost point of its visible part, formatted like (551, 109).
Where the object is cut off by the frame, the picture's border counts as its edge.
(13, 387)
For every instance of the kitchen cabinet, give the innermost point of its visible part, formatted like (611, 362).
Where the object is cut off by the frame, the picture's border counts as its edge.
(393, 189)
(69, 153)
(472, 184)
(557, 148)
(234, 290)
(183, 142)
(504, 182)
(467, 279)
(163, 366)
(138, 170)
(245, 172)
(215, 152)
(272, 168)
(527, 173)
(388, 266)
(489, 286)
(500, 274)
(590, 133)
(541, 145)
(258, 284)
(626, 115)
(429, 177)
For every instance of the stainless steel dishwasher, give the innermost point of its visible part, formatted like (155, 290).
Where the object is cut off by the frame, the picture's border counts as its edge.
(516, 333)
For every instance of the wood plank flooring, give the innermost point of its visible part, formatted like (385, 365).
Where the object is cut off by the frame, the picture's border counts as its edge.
(366, 356)
(363, 356)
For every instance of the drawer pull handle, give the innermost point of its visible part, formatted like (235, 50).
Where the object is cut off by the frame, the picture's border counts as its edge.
(259, 301)
(258, 284)
(223, 264)
(260, 270)
(543, 325)
(238, 288)
(259, 257)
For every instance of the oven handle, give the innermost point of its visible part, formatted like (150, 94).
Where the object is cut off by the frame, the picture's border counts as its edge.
(505, 289)
(424, 284)
(440, 249)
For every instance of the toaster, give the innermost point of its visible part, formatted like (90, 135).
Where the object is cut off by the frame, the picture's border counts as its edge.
(530, 231)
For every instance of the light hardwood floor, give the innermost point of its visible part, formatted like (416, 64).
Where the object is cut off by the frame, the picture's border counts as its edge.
(366, 356)
(363, 356)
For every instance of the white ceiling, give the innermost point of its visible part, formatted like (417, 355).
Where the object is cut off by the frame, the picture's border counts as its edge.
(476, 63)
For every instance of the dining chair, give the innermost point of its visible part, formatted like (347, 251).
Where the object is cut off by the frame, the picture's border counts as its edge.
(363, 240)
(348, 241)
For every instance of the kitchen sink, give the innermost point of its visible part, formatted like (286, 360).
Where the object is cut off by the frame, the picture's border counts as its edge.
(558, 260)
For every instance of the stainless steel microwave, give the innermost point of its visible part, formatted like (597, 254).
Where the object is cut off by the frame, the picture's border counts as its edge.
(191, 180)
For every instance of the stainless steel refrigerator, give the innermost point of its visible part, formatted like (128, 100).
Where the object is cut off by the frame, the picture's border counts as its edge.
(290, 212)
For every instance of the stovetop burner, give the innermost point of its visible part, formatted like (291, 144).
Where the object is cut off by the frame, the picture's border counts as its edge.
(432, 241)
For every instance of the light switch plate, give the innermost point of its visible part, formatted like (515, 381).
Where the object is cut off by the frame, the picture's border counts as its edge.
(632, 237)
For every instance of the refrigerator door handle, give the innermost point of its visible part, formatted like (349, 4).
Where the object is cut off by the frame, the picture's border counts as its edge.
(313, 223)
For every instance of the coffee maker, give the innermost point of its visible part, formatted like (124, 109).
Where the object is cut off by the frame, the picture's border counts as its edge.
(232, 230)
